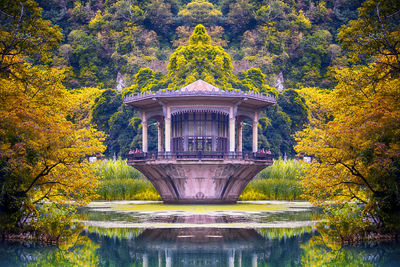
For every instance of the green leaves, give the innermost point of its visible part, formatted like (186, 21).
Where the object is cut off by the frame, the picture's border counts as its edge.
(200, 11)
(23, 32)
(375, 33)
(200, 60)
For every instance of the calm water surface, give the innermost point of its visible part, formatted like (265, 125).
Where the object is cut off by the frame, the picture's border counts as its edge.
(154, 234)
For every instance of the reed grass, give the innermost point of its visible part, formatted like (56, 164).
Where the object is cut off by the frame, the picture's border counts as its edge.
(272, 189)
(119, 181)
(119, 169)
(120, 233)
(288, 170)
(283, 233)
(127, 189)
(276, 182)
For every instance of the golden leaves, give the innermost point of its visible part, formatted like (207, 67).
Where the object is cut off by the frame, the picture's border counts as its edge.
(353, 136)
(46, 136)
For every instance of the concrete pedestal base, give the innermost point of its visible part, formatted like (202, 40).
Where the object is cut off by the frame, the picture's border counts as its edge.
(199, 181)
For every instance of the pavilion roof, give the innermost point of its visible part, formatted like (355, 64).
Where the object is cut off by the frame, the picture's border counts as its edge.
(199, 86)
(202, 90)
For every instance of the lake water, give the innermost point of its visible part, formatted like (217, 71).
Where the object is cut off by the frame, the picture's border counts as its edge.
(153, 234)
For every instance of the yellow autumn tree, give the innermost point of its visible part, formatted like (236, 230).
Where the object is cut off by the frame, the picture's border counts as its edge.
(45, 141)
(45, 134)
(354, 139)
(354, 131)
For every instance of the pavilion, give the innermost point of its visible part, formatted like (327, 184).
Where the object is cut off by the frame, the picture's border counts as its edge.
(200, 157)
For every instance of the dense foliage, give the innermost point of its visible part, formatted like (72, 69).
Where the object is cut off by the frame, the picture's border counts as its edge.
(254, 45)
(332, 68)
(45, 130)
(353, 134)
(293, 40)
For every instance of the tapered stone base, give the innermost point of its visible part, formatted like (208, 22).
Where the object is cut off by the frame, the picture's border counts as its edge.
(210, 181)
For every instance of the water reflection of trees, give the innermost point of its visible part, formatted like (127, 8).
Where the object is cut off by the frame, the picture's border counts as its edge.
(318, 253)
(199, 247)
(81, 252)
(324, 249)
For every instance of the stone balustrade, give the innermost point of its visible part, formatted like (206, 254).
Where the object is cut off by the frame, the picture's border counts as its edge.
(234, 93)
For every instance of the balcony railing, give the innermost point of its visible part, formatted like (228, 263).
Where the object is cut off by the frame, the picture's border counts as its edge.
(199, 155)
(238, 93)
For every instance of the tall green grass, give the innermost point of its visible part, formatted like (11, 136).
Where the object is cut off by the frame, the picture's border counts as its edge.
(123, 182)
(272, 189)
(288, 170)
(276, 182)
(127, 189)
(119, 169)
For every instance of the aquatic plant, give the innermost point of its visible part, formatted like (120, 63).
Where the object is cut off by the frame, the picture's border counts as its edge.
(127, 189)
(118, 169)
(272, 189)
(283, 169)
(276, 182)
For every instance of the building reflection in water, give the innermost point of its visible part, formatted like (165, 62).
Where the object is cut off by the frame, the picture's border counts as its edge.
(198, 246)
(201, 246)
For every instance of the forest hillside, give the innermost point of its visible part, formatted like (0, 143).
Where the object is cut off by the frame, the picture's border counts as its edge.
(125, 46)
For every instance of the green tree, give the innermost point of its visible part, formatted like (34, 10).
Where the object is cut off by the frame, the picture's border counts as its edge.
(104, 106)
(375, 34)
(240, 17)
(200, 60)
(295, 107)
(23, 33)
(200, 11)
(159, 17)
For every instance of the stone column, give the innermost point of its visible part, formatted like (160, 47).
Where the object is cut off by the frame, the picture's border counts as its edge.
(254, 260)
(214, 124)
(255, 132)
(185, 132)
(160, 125)
(168, 130)
(240, 136)
(231, 258)
(168, 258)
(232, 121)
(159, 259)
(145, 260)
(240, 259)
(144, 132)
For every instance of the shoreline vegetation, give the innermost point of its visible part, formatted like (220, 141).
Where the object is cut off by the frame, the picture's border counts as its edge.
(276, 182)
(119, 181)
